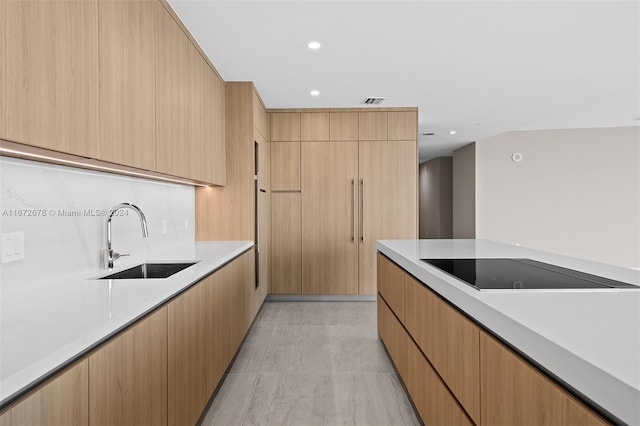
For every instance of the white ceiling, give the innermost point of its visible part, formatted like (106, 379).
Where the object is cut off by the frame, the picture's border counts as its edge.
(477, 67)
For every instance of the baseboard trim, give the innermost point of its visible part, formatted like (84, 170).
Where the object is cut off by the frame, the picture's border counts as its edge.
(321, 298)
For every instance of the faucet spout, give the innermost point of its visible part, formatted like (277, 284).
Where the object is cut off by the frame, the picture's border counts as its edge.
(110, 255)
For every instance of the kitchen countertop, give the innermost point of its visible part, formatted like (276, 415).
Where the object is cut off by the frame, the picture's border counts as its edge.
(587, 339)
(50, 326)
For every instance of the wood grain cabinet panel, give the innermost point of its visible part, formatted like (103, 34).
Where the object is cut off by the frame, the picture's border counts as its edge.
(329, 211)
(391, 284)
(343, 126)
(187, 385)
(403, 126)
(394, 336)
(515, 393)
(388, 198)
(173, 146)
(62, 400)
(430, 395)
(448, 339)
(206, 122)
(128, 375)
(285, 126)
(127, 90)
(286, 243)
(372, 126)
(314, 126)
(52, 74)
(285, 166)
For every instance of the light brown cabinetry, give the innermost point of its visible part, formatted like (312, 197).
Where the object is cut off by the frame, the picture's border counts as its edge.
(206, 122)
(51, 74)
(127, 91)
(372, 126)
(448, 339)
(128, 375)
(187, 389)
(314, 126)
(285, 126)
(62, 400)
(285, 160)
(329, 211)
(402, 125)
(514, 392)
(394, 336)
(286, 243)
(391, 285)
(173, 145)
(343, 126)
(388, 200)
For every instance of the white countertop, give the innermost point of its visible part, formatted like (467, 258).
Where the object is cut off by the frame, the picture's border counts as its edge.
(44, 328)
(589, 339)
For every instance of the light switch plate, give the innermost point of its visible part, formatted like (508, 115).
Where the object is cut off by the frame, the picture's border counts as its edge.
(12, 246)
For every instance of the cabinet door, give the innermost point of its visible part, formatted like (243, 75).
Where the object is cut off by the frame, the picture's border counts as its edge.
(187, 390)
(343, 126)
(448, 339)
(127, 94)
(402, 126)
(63, 400)
(285, 166)
(208, 162)
(329, 209)
(391, 284)
(314, 126)
(286, 243)
(514, 392)
(394, 336)
(128, 375)
(285, 126)
(388, 197)
(52, 74)
(264, 218)
(372, 126)
(172, 96)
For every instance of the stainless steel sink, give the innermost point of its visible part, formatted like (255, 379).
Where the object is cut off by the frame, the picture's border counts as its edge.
(149, 270)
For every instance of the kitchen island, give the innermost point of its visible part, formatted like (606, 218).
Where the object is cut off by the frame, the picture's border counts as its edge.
(587, 341)
(46, 328)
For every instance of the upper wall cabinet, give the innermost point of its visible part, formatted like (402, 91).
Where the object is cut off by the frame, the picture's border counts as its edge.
(372, 126)
(285, 126)
(126, 54)
(51, 74)
(343, 126)
(206, 122)
(172, 96)
(314, 126)
(402, 126)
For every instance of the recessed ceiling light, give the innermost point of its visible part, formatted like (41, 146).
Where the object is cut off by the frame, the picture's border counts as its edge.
(315, 92)
(314, 45)
(452, 132)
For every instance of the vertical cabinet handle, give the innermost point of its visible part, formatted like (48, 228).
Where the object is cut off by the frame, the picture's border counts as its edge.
(353, 205)
(362, 210)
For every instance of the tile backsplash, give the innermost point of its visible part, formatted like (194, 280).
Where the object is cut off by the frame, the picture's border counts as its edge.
(61, 212)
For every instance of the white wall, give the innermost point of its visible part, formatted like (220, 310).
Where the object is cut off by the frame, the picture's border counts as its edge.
(57, 245)
(576, 192)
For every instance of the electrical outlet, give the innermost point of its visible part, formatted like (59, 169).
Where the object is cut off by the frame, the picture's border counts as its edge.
(12, 246)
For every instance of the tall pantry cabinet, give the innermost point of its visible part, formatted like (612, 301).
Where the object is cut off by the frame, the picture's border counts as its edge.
(349, 178)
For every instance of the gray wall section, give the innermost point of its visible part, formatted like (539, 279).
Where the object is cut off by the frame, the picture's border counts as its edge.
(464, 192)
(436, 188)
(576, 192)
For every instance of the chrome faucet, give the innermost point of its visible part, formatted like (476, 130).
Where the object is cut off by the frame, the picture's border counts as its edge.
(109, 254)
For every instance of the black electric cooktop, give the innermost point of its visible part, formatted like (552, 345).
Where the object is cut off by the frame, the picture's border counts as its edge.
(498, 273)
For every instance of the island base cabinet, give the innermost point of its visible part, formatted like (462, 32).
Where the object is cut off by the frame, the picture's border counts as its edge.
(127, 376)
(513, 392)
(393, 335)
(63, 400)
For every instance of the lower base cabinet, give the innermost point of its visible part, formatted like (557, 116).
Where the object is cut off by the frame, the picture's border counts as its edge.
(63, 400)
(161, 370)
(457, 373)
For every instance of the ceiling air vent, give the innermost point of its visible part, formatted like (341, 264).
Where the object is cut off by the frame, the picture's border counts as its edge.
(373, 101)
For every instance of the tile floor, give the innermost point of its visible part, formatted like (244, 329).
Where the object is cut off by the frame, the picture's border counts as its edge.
(312, 363)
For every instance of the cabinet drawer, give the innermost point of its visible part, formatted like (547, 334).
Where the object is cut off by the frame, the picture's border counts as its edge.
(515, 392)
(394, 336)
(391, 285)
(448, 339)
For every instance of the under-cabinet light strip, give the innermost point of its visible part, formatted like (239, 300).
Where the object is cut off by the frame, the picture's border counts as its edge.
(98, 167)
